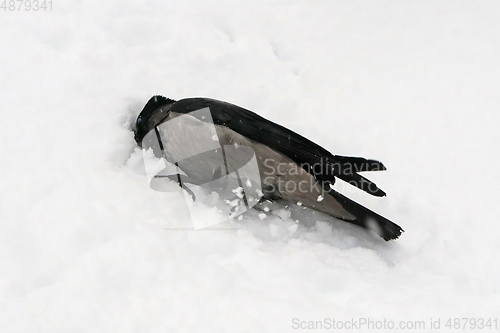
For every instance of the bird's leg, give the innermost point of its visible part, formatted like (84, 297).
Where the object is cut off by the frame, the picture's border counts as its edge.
(181, 179)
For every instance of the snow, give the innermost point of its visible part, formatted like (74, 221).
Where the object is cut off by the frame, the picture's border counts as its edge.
(87, 246)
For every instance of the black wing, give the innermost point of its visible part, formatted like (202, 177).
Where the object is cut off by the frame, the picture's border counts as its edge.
(310, 156)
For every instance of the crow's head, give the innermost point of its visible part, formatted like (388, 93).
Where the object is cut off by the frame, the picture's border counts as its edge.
(154, 113)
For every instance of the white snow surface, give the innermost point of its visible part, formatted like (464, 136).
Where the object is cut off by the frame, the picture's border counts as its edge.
(83, 240)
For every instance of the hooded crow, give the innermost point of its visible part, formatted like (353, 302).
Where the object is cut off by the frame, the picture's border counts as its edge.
(285, 159)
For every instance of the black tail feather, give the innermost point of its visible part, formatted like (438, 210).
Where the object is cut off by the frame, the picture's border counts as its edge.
(359, 164)
(362, 183)
(368, 219)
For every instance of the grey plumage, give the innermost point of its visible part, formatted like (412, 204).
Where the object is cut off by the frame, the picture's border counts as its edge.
(275, 170)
